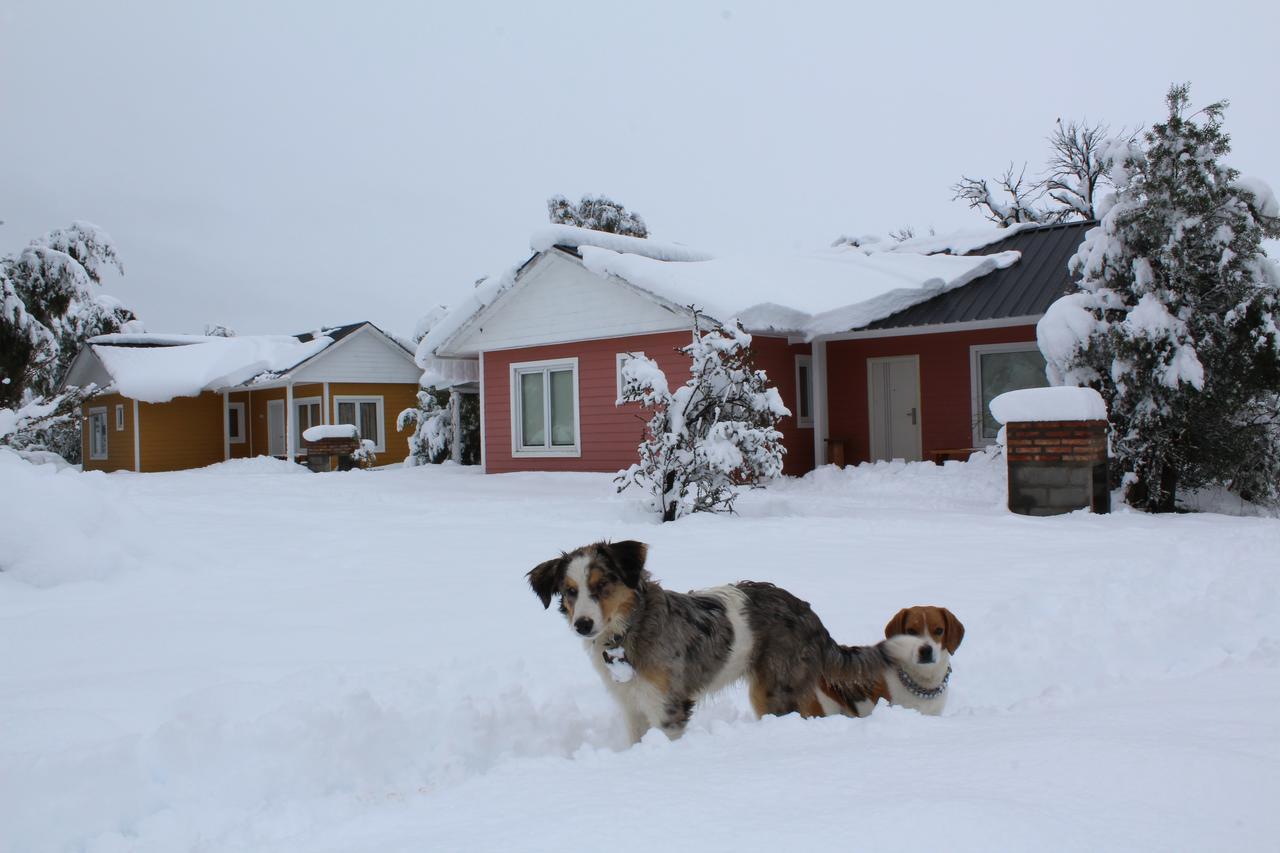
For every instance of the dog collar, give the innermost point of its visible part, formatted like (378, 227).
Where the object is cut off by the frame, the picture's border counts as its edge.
(923, 693)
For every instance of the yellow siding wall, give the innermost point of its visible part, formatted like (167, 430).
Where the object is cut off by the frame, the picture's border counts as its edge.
(258, 419)
(396, 397)
(243, 449)
(186, 432)
(119, 442)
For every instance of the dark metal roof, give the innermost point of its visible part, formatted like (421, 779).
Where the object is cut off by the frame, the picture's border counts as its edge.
(1025, 289)
(335, 332)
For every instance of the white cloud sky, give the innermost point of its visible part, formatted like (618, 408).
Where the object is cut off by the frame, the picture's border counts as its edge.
(277, 166)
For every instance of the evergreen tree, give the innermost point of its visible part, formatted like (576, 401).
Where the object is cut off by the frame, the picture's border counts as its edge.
(49, 306)
(715, 434)
(1175, 318)
(432, 422)
(599, 213)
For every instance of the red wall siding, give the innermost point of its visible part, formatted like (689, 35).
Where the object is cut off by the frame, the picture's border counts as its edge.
(611, 433)
(777, 358)
(945, 391)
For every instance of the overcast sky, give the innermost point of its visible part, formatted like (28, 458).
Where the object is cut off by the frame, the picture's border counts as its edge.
(274, 166)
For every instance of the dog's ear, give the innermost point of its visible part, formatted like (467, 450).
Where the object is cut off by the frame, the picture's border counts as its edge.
(629, 557)
(897, 625)
(953, 631)
(545, 579)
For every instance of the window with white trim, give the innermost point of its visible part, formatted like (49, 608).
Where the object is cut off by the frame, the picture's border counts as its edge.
(544, 408)
(119, 417)
(307, 412)
(97, 433)
(995, 369)
(365, 413)
(621, 359)
(804, 391)
(235, 423)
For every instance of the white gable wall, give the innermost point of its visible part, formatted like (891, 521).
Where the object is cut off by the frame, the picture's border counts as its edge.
(87, 369)
(559, 300)
(364, 356)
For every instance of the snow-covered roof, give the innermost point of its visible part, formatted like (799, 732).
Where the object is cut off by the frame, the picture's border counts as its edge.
(808, 294)
(956, 242)
(157, 368)
(572, 237)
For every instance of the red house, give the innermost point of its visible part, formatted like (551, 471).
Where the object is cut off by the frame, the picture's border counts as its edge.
(878, 354)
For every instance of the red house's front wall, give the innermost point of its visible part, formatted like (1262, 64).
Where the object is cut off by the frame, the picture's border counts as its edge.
(946, 407)
(777, 358)
(610, 433)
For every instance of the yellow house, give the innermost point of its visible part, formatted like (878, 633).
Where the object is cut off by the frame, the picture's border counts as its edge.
(167, 402)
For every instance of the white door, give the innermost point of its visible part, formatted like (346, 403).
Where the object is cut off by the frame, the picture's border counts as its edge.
(275, 427)
(894, 399)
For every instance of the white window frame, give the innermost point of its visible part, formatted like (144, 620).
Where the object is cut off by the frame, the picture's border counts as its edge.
(380, 443)
(119, 417)
(232, 439)
(545, 367)
(298, 403)
(805, 361)
(618, 361)
(976, 352)
(101, 411)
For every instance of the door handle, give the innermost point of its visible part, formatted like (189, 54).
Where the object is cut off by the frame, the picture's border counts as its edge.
(912, 415)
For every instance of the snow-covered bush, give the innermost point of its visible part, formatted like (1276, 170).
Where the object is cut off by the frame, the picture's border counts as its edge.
(363, 456)
(432, 438)
(1174, 319)
(599, 213)
(710, 437)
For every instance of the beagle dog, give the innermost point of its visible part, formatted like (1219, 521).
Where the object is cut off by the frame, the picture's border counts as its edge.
(914, 666)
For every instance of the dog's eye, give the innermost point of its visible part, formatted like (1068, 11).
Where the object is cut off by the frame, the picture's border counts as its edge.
(913, 632)
(937, 632)
(570, 593)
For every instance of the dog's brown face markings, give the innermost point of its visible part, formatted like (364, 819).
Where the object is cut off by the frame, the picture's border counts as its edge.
(930, 623)
(596, 582)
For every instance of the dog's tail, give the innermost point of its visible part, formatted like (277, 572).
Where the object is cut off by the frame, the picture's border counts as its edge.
(853, 675)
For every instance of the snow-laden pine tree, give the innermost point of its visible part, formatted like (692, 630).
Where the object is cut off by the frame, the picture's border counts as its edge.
(432, 439)
(710, 437)
(51, 304)
(597, 212)
(1174, 320)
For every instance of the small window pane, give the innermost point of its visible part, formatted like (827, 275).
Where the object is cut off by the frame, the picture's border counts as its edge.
(369, 421)
(1007, 371)
(233, 422)
(562, 408)
(347, 413)
(532, 420)
(806, 388)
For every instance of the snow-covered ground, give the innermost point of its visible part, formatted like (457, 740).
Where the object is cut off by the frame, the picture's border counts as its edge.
(252, 657)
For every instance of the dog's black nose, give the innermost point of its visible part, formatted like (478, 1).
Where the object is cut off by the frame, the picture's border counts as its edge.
(926, 654)
(583, 626)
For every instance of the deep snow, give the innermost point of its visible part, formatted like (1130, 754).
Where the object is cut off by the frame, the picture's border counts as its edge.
(251, 657)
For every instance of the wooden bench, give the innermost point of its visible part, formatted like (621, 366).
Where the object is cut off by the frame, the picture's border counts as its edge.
(952, 454)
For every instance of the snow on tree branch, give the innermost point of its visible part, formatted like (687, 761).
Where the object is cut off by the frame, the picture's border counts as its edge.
(713, 435)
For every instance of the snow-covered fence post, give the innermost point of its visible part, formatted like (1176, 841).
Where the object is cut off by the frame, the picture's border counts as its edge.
(1056, 449)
